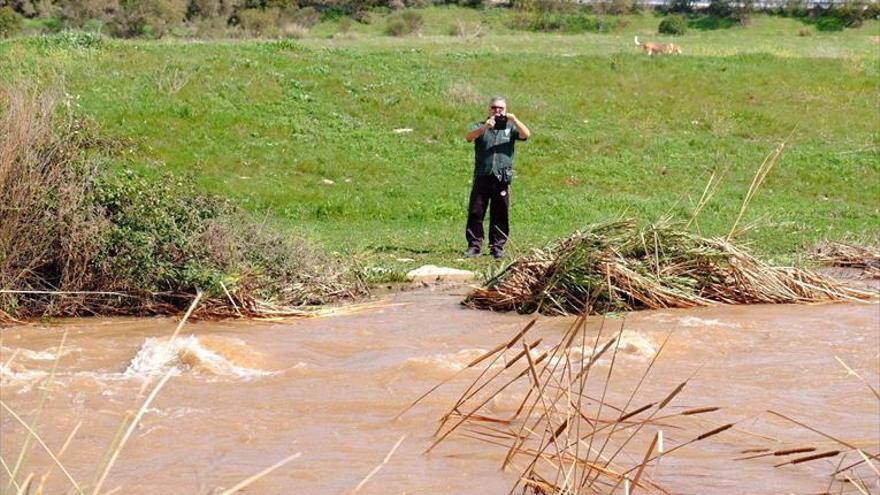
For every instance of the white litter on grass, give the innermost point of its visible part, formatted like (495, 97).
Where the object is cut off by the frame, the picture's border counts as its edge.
(432, 273)
(402, 130)
(327, 181)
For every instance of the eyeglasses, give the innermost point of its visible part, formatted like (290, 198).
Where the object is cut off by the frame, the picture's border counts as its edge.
(494, 107)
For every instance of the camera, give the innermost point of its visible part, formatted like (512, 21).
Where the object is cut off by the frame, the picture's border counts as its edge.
(500, 122)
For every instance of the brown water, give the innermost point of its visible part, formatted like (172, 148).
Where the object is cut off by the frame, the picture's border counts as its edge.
(247, 394)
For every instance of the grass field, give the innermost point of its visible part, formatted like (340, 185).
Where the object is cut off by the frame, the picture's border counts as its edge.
(271, 124)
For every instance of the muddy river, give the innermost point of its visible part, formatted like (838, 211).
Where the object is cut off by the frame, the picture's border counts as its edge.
(244, 395)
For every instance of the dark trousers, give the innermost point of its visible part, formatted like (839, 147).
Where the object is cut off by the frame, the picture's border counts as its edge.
(488, 191)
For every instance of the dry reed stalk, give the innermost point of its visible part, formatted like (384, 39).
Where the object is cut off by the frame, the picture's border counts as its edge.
(849, 472)
(9, 473)
(130, 430)
(558, 438)
(474, 388)
(860, 377)
(42, 444)
(186, 316)
(378, 467)
(492, 352)
(137, 417)
(760, 175)
(247, 482)
(61, 452)
(708, 192)
(26, 485)
(43, 398)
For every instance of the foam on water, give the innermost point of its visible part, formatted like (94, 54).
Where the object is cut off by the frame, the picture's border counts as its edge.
(447, 362)
(17, 373)
(695, 322)
(45, 355)
(632, 344)
(156, 356)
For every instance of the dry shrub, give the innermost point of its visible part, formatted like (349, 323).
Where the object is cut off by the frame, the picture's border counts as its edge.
(10, 22)
(148, 18)
(404, 23)
(295, 31)
(306, 16)
(47, 237)
(259, 22)
(458, 29)
(345, 25)
(804, 31)
(463, 94)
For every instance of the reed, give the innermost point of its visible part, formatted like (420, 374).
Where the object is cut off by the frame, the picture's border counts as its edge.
(862, 474)
(848, 255)
(567, 435)
(77, 238)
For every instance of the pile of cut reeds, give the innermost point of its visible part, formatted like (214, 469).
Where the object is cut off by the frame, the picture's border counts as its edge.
(847, 255)
(619, 266)
(567, 435)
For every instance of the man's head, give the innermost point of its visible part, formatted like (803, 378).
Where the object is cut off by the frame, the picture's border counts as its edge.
(497, 105)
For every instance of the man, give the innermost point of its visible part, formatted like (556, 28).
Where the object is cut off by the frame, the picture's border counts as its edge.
(493, 170)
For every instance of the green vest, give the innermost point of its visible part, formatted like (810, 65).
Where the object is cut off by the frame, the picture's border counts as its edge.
(493, 150)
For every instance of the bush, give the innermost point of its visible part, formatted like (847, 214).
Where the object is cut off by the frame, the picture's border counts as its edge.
(259, 22)
(794, 8)
(404, 23)
(79, 227)
(674, 25)
(830, 23)
(615, 7)
(209, 9)
(364, 17)
(69, 40)
(710, 22)
(76, 14)
(396, 27)
(307, 17)
(294, 31)
(51, 25)
(10, 22)
(678, 7)
(804, 31)
(581, 22)
(345, 24)
(148, 18)
(832, 17)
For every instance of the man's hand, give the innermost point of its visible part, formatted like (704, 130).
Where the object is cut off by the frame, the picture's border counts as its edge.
(523, 130)
(474, 134)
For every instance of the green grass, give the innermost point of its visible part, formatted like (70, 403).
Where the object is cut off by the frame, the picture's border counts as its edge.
(615, 132)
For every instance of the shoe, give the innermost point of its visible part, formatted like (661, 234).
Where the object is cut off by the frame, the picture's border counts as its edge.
(497, 254)
(472, 252)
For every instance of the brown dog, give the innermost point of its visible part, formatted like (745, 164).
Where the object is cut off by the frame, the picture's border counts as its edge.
(659, 48)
